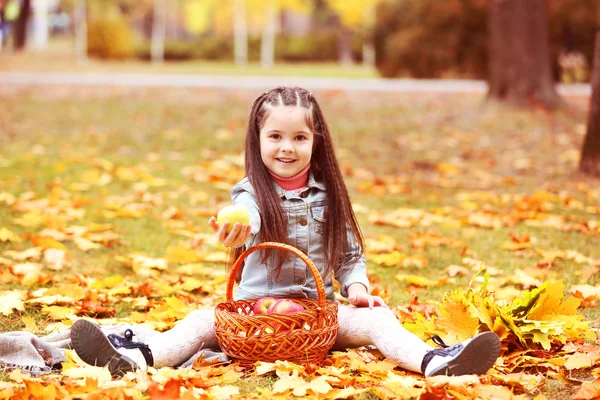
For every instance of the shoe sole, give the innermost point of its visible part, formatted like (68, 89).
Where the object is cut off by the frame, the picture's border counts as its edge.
(476, 358)
(93, 347)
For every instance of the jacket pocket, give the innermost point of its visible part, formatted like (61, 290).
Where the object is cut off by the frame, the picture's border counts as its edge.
(319, 214)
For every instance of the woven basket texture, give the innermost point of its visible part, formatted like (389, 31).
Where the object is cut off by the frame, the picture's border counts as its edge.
(302, 337)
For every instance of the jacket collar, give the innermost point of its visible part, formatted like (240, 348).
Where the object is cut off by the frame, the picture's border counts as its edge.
(311, 184)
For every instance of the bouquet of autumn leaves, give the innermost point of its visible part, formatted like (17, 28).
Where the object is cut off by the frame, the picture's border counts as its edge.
(540, 324)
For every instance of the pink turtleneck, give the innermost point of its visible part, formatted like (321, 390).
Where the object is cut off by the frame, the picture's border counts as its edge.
(294, 183)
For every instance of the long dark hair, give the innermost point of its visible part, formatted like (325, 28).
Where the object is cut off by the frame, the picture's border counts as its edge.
(324, 165)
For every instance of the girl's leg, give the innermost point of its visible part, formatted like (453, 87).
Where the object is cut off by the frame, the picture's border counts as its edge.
(170, 348)
(186, 338)
(380, 327)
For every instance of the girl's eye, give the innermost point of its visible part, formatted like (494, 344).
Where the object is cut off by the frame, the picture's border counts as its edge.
(300, 137)
(275, 136)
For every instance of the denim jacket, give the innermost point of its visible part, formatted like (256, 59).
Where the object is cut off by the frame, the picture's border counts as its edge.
(306, 213)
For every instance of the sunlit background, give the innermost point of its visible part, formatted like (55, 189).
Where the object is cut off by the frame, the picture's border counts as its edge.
(338, 38)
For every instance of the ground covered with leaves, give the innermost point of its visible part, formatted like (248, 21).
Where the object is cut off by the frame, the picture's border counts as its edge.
(475, 218)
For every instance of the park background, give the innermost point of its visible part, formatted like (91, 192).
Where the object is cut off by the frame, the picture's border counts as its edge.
(466, 131)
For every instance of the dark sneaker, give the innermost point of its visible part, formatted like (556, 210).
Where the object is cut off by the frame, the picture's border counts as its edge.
(120, 354)
(473, 356)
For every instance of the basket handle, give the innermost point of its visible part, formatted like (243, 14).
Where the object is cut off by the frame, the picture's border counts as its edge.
(322, 300)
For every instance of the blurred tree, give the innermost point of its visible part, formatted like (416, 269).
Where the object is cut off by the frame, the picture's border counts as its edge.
(519, 54)
(80, 28)
(197, 15)
(590, 152)
(431, 38)
(352, 16)
(267, 12)
(159, 30)
(21, 26)
(240, 33)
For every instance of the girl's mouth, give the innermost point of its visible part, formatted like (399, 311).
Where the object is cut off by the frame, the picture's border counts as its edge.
(286, 160)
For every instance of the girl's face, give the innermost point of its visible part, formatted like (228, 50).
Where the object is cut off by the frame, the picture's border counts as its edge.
(286, 141)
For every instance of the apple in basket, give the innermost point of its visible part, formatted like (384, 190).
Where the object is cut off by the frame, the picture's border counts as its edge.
(285, 306)
(262, 305)
(232, 214)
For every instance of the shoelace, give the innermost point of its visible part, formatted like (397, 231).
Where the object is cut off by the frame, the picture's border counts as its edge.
(445, 351)
(128, 343)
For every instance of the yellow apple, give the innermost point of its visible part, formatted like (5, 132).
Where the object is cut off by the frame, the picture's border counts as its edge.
(232, 214)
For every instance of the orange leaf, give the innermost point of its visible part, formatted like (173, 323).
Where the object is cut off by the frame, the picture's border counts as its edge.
(46, 242)
(170, 390)
(588, 390)
(37, 390)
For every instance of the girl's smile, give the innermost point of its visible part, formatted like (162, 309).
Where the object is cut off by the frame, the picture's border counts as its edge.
(286, 141)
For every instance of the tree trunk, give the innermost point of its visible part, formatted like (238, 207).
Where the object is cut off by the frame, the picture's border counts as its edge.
(590, 152)
(240, 33)
(345, 46)
(519, 54)
(20, 32)
(267, 45)
(80, 26)
(40, 24)
(159, 29)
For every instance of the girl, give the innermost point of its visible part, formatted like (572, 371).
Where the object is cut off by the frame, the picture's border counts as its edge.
(295, 194)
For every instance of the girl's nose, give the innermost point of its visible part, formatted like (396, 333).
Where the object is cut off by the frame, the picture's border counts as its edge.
(287, 147)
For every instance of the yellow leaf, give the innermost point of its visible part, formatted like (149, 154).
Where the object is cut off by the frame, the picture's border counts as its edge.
(37, 390)
(455, 317)
(516, 245)
(8, 236)
(59, 313)
(46, 242)
(417, 280)
(85, 244)
(224, 392)
(10, 301)
(581, 360)
(178, 254)
(29, 322)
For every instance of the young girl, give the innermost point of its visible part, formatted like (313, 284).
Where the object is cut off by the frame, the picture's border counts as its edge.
(295, 194)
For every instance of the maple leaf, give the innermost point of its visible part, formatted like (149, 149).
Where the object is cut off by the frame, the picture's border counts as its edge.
(178, 254)
(38, 390)
(7, 236)
(224, 392)
(56, 258)
(588, 390)
(421, 281)
(10, 301)
(85, 244)
(170, 390)
(455, 318)
(582, 360)
(59, 313)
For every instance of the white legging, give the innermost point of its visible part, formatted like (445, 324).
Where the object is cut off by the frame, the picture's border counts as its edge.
(358, 327)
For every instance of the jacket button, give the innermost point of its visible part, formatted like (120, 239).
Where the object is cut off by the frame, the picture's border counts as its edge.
(299, 282)
(304, 194)
(303, 221)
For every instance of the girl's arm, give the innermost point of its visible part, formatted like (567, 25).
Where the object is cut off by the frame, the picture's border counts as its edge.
(352, 276)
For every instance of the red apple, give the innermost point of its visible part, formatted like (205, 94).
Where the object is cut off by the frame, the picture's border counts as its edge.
(285, 306)
(262, 305)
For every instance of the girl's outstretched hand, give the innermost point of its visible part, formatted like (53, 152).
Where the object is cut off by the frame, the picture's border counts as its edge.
(238, 235)
(366, 300)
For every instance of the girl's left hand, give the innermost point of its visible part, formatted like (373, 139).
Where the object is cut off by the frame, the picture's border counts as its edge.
(366, 300)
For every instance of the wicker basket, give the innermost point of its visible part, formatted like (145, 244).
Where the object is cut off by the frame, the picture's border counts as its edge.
(302, 337)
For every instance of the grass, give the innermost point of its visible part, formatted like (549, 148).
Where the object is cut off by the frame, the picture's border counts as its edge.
(436, 153)
(59, 57)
